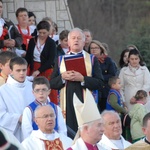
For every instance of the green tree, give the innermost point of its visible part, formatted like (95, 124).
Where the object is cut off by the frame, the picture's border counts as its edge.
(141, 38)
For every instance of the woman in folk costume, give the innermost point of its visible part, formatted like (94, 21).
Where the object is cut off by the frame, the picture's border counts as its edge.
(41, 54)
(90, 124)
(108, 68)
(9, 35)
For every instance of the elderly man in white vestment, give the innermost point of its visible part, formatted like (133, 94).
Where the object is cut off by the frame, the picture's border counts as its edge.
(112, 138)
(15, 95)
(46, 138)
(90, 124)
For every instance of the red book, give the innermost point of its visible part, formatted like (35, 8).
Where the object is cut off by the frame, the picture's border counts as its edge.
(76, 63)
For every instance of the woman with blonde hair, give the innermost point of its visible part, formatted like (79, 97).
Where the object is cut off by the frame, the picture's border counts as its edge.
(108, 68)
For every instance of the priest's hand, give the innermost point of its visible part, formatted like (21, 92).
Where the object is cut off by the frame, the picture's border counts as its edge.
(72, 76)
(67, 75)
(77, 76)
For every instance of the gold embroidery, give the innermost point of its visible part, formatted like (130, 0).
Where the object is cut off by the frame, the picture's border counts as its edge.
(53, 145)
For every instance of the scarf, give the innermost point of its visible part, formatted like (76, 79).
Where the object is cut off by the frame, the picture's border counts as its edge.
(26, 37)
(102, 58)
(4, 35)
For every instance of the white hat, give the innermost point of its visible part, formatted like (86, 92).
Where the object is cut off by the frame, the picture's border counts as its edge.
(139, 145)
(86, 112)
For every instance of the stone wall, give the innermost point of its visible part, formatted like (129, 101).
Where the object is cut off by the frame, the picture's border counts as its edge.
(56, 9)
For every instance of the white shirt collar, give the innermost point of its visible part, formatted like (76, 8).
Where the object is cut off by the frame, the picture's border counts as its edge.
(76, 53)
(2, 21)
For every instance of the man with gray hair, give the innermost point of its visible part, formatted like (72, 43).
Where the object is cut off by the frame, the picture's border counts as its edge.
(73, 73)
(112, 138)
(46, 138)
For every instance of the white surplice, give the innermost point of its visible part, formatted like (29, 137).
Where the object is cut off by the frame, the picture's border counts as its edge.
(33, 142)
(14, 97)
(107, 144)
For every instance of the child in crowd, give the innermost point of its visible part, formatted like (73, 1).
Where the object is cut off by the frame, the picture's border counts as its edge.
(136, 114)
(41, 90)
(115, 102)
(114, 99)
(5, 57)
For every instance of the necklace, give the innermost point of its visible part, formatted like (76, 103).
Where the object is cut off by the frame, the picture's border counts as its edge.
(40, 46)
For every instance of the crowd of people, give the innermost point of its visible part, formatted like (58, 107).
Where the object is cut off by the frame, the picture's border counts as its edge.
(63, 91)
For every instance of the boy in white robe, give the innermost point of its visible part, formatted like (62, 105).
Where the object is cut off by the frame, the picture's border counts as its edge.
(15, 95)
(46, 137)
(41, 90)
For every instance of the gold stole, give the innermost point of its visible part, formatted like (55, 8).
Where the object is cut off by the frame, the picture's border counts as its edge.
(53, 145)
(88, 66)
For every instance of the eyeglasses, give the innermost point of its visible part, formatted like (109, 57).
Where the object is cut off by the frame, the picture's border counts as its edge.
(94, 48)
(41, 90)
(47, 116)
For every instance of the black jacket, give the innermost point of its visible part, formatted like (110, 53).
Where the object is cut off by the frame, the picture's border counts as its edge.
(14, 34)
(47, 56)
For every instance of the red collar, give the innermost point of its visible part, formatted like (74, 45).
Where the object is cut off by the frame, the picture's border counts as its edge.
(90, 146)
